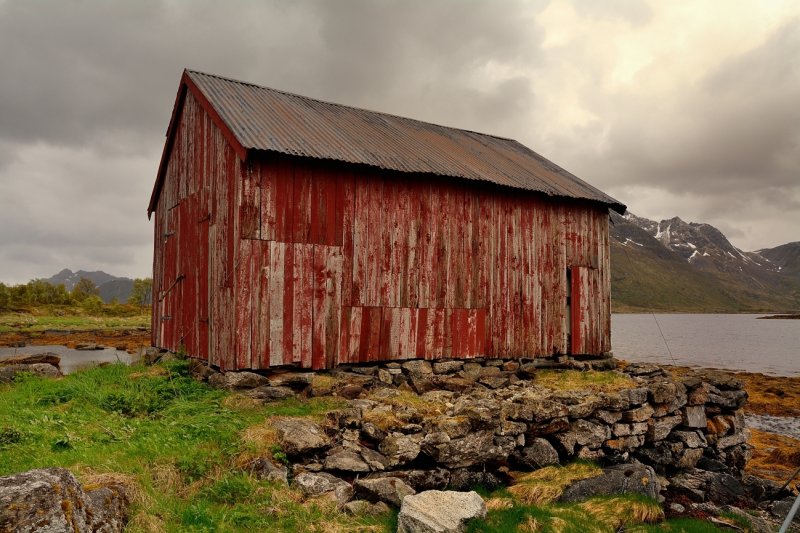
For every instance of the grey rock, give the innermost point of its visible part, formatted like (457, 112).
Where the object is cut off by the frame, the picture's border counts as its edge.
(466, 479)
(49, 358)
(618, 479)
(243, 380)
(584, 433)
(692, 439)
(436, 511)
(639, 414)
(644, 369)
(427, 479)
(509, 427)
(294, 380)
(385, 376)
(9, 372)
(494, 382)
(537, 454)
(269, 393)
(298, 436)
(689, 457)
(265, 469)
(677, 508)
(781, 508)
(52, 500)
(625, 430)
(107, 507)
(447, 367)
(611, 401)
(400, 449)
(733, 440)
(608, 417)
(694, 416)
(372, 432)
(476, 448)
(661, 391)
(637, 396)
(376, 460)
(345, 460)
(625, 444)
(365, 508)
(389, 490)
(323, 484)
(417, 366)
(453, 426)
(659, 428)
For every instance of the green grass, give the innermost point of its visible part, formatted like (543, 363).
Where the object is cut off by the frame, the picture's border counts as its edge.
(174, 440)
(595, 381)
(595, 515)
(72, 319)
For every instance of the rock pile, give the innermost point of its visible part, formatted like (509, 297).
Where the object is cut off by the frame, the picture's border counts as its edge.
(43, 364)
(418, 426)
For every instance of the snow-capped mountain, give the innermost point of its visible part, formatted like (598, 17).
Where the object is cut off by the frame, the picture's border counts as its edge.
(689, 265)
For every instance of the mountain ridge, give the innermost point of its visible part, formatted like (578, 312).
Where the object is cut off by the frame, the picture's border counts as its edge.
(110, 286)
(673, 265)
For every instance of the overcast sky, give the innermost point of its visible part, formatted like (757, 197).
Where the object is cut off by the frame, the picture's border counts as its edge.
(687, 109)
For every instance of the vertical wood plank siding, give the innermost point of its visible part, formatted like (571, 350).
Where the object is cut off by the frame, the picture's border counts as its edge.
(291, 261)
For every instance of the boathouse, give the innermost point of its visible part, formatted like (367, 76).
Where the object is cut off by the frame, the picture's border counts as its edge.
(292, 231)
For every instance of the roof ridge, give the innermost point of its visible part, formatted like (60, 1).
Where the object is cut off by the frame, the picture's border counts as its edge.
(326, 102)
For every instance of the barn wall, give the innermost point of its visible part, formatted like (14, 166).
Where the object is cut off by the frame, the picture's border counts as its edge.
(347, 264)
(193, 270)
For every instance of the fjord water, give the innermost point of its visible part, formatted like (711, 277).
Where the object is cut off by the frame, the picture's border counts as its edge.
(731, 342)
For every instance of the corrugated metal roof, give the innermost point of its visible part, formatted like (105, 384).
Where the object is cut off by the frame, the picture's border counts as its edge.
(267, 119)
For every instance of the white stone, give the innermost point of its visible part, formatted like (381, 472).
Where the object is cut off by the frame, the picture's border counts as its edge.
(435, 511)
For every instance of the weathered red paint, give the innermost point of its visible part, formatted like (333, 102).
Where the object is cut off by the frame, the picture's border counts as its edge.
(264, 260)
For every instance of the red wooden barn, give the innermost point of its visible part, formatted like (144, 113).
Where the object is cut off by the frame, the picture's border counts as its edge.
(291, 231)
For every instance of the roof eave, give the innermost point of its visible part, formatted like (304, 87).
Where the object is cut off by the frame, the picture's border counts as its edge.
(187, 84)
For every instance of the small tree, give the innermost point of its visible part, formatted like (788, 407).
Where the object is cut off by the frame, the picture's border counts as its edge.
(5, 296)
(84, 289)
(142, 292)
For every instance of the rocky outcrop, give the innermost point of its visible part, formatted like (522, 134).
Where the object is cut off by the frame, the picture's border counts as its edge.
(52, 500)
(436, 511)
(43, 364)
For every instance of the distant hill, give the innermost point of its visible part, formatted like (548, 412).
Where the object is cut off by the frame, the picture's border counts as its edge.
(110, 287)
(674, 265)
(785, 257)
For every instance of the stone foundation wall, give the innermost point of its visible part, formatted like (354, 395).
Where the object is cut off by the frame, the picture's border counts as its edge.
(459, 424)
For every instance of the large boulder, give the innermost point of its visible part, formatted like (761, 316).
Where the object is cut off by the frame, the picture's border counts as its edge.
(9, 372)
(617, 479)
(436, 511)
(52, 500)
(297, 436)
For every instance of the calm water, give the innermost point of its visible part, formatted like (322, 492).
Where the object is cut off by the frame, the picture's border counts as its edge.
(734, 342)
(72, 360)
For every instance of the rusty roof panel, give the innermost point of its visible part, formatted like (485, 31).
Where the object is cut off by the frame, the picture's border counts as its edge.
(266, 119)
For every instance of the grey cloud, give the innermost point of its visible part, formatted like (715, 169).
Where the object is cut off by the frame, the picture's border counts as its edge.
(88, 87)
(738, 129)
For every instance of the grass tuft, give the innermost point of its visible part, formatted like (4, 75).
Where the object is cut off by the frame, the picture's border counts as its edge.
(547, 484)
(594, 381)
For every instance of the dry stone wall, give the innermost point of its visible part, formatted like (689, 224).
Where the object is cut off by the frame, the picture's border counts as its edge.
(456, 424)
